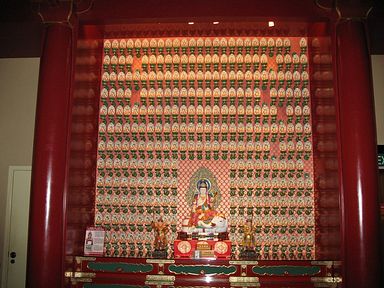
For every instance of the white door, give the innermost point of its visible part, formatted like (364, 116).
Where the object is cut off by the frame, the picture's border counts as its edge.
(16, 233)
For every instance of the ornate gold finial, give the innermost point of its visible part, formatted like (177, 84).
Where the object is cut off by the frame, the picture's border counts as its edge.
(55, 12)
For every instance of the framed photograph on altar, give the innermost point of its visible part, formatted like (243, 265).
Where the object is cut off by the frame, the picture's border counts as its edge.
(94, 241)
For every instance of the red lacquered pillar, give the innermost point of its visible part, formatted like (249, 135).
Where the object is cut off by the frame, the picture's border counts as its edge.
(46, 229)
(358, 155)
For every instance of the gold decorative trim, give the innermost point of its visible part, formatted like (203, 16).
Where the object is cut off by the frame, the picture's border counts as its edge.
(82, 280)
(236, 279)
(326, 279)
(86, 9)
(245, 284)
(70, 274)
(160, 278)
(158, 283)
(362, 17)
(245, 262)
(82, 277)
(287, 267)
(325, 285)
(323, 263)
(199, 269)
(80, 259)
(322, 6)
(336, 263)
(66, 21)
(160, 261)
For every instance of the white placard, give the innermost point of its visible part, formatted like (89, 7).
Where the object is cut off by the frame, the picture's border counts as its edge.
(94, 241)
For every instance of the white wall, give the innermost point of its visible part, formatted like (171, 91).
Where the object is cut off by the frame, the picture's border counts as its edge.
(18, 91)
(378, 88)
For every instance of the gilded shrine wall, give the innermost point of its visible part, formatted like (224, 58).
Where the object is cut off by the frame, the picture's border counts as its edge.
(236, 108)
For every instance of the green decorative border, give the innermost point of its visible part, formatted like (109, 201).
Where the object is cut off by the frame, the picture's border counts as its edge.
(202, 269)
(286, 270)
(120, 267)
(91, 285)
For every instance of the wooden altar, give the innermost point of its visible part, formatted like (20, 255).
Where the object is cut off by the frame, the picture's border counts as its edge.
(68, 187)
(101, 272)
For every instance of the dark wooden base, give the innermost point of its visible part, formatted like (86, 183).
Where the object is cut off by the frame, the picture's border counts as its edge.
(160, 254)
(108, 272)
(248, 254)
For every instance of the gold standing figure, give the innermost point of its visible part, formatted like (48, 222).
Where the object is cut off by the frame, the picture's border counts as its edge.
(249, 237)
(160, 229)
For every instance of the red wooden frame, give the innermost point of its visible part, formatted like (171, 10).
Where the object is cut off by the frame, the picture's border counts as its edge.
(62, 183)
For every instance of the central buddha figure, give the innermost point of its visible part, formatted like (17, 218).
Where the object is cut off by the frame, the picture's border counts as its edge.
(204, 197)
(202, 212)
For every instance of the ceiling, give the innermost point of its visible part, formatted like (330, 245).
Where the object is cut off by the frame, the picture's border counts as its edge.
(21, 30)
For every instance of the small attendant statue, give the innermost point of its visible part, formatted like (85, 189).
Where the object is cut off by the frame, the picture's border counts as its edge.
(160, 228)
(248, 243)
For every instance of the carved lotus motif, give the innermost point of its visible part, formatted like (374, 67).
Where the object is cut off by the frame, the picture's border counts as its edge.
(107, 44)
(128, 77)
(258, 146)
(287, 42)
(289, 110)
(103, 110)
(130, 43)
(126, 128)
(167, 110)
(129, 59)
(307, 146)
(303, 42)
(105, 76)
(176, 42)
(306, 110)
(265, 110)
(232, 146)
(298, 110)
(166, 128)
(295, 58)
(232, 110)
(224, 128)
(282, 146)
(296, 75)
(299, 146)
(111, 110)
(307, 128)
(175, 127)
(145, 43)
(174, 145)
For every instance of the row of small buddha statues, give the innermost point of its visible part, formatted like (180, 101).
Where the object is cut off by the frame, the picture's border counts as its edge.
(200, 93)
(121, 159)
(200, 45)
(205, 125)
(165, 167)
(223, 80)
(191, 110)
(251, 249)
(185, 69)
(152, 150)
(270, 201)
(244, 179)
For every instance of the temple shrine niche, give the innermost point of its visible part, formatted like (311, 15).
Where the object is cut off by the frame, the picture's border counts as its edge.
(206, 133)
(222, 153)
